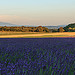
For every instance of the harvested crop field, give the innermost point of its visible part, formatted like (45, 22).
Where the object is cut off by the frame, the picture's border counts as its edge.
(35, 34)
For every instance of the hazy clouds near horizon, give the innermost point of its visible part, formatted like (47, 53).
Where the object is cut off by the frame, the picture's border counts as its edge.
(37, 12)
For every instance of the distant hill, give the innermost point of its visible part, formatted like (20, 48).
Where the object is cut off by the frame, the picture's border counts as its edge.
(5, 23)
(70, 28)
(55, 27)
(49, 27)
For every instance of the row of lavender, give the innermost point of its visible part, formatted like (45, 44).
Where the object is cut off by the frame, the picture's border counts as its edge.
(39, 56)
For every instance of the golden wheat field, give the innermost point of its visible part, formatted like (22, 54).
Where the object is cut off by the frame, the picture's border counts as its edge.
(35, 34)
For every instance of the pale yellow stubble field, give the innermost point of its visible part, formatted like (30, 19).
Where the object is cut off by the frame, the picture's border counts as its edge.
(35, 34)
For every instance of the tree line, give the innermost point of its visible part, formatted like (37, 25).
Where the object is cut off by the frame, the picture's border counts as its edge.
(68, 28)
(25, 29)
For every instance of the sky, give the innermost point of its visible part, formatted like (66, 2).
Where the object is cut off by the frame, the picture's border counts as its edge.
(37, 12)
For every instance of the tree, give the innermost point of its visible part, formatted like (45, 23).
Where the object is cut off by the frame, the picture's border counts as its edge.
(22, 27)
(39, 29)
(61, 29)
(70, 28)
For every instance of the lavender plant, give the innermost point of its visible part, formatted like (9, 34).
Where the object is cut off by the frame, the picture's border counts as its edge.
(37, 56)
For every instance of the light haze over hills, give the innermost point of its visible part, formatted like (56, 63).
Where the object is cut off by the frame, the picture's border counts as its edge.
(49, 27)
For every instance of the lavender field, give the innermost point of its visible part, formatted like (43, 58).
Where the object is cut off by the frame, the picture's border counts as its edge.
(37, 56)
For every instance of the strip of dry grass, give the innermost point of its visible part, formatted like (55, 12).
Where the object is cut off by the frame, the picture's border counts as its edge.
(35, 34)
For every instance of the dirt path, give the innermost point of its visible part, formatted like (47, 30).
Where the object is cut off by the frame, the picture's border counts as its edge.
(66, 34)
